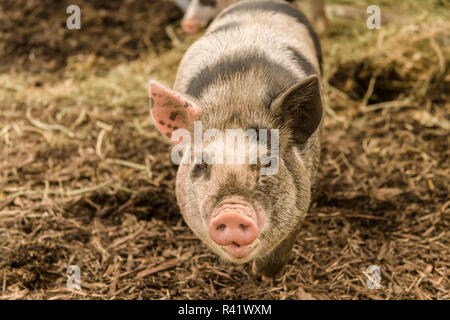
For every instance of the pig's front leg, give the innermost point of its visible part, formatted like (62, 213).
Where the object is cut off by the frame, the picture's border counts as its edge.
(272, 264)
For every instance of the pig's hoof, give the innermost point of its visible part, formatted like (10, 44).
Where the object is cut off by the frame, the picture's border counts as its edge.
(267, 269)
(258, 273)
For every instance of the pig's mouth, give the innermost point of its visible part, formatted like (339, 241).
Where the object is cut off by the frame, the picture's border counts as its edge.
(238, 251)
(235, 226)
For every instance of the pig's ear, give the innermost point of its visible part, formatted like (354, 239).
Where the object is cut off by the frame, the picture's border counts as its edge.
(301, 108)
(169, 110)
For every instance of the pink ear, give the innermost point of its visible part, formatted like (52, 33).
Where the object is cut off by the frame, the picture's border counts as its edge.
(169, 110)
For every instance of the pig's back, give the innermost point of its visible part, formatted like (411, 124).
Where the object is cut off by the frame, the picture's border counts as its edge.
(270, 41)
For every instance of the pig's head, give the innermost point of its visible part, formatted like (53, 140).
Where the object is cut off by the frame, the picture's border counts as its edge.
(200, 12)
(239, 212)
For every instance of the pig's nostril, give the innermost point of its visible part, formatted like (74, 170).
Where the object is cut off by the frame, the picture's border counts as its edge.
(243, 226)
(221, 227)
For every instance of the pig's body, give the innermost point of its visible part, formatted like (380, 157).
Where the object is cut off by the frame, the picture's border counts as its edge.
(257, 66)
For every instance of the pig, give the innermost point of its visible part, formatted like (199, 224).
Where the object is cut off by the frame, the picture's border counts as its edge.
(257, 67)
(198, 13)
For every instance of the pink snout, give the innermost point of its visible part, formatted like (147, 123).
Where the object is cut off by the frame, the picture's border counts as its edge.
(190, 26)
(234, 231)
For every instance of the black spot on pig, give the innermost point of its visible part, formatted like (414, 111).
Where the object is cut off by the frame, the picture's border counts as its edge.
(201, 170)
(302, 61)
(282, 8)
(226, 27)
(230, 67)
(173, 115)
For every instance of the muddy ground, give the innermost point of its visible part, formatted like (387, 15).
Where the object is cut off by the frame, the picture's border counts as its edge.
(86, 180)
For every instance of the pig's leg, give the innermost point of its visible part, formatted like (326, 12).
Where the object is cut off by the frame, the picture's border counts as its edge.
(271, 265)
(319, 17)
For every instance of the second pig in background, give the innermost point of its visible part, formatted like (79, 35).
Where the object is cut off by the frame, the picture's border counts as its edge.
(199, 13)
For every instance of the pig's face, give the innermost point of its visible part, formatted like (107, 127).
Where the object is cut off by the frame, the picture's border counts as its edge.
(241, 210)
(240, 213)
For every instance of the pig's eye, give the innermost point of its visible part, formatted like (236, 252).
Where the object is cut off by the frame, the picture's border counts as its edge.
(264, 165)
(256, 167)
(201, 170)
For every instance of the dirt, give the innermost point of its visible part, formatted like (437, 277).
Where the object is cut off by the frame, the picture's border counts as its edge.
(86, 180)
(34, 34)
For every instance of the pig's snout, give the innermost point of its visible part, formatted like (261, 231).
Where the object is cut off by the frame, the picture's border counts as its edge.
(234, 231)
(190, 26)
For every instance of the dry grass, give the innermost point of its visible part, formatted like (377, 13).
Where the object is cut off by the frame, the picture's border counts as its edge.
(86, 180)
